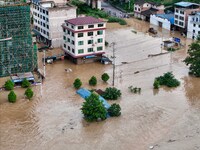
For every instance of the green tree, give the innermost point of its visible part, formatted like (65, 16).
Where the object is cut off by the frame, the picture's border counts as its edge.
(105, 77)
(93, 109)
(114, 110)
(29, 93)
(93, 81)
(156, 84)
(12, 97)
(9, 85)
(77, 83)
(111, 93)
(193, 60)
(25, 83)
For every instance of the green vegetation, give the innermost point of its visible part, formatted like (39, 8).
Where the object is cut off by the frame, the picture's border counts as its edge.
(9, 85)
(12, 97)
(156, 84)
(83, 8)
(127, 6)
(93, 81)
(168, 80)
(29, 93)
(93, 108)
(105, 77)
(106, 43)
(25, 83)
(193, 60)
(134, 89)
(111, 93)
(77, 83)
(114, 110)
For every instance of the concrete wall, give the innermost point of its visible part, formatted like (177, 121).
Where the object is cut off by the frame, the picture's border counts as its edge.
(155, 21)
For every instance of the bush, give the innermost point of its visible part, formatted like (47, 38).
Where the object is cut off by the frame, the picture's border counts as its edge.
(168, 80)
(119, 20)
(114, 110)
(12, 97)
(105, 77)
(156, 84)
(106, 43)
(93, 109)
(28, 93)
(112, 93)
(9, 85)
(25, 83)
(93, 81)
(77, 83)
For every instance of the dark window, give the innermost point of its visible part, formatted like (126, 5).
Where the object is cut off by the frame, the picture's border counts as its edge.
(80, 34)
(72, 42)
(90, 49)
(99, 48)
(100, 25)
(68, 48)
(90, 26)
(80, 51)
(64, 45)
(90, 41)
(100, 32)
(72, 50)
(90, 34)
(72, 34)
(47, 26)
(80, 27)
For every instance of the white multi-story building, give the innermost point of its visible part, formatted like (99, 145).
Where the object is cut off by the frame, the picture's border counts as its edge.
(182, 10)
(193, 25)
(47, 20)
(84, 39)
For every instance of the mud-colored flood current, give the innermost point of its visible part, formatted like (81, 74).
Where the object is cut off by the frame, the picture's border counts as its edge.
(52, 120)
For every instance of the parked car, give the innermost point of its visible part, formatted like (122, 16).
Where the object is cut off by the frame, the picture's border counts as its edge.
(152, 30)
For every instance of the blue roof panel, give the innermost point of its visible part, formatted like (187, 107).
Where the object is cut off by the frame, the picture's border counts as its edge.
(185, 4)
(169, 17)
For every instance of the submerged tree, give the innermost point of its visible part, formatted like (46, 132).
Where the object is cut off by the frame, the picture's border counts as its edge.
(77, 83)
(29, 93)
(9, 85)
(193, 60)
(12, 97)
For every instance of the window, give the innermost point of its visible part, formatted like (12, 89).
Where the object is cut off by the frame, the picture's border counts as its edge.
(194, 25)
(43, 24)
(44, 31)
(44, 11)
(72, 50)
(176, 16)
(100, 40)
(176, 21)
(100, 25)
(193, 31)
(72, 42)
(64, 45)
(90, 49)
(199, 26)
(72, 34)
(68, 40)
(135, 8)
(90, 41)
(47, 33)
(68, 32)
(80, 42)
(138, 9)
(80, 27)
(43, 17)
(68, 48)
(90, 26)
(47, 13)
(177, 10)
(72, 26)
(180, 23)
(90, 33)
(63, 29)
(48, 27)
(100, 32)
(198, 32)
(47, 19)
(99, 48)
(80, 34)
(64, 37)
(80, 51)
(181, 18)
(181, 12)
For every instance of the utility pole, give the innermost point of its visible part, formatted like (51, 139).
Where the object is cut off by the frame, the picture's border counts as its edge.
(113, 82)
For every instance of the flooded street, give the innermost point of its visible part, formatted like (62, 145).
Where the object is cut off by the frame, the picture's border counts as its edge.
(165, 118)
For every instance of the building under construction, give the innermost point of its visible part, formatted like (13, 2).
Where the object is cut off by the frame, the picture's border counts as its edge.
(16, 48)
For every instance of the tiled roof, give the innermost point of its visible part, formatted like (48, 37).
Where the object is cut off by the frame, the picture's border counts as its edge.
(149, 12)
(84, 20)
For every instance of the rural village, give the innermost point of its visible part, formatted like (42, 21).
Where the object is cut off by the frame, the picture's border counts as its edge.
(99, 74)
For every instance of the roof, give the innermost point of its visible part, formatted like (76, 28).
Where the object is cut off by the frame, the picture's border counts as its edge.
(185, 4)
(149, 12)
(84, 20)
(169, 17)
(141, 2)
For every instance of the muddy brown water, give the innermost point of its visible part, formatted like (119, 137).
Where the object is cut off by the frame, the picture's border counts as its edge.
(53, 120)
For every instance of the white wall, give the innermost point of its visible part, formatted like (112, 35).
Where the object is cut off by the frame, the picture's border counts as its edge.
(155, 21)
(190, 28)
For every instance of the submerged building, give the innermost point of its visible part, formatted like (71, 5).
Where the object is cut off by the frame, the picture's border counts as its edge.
(16, 48)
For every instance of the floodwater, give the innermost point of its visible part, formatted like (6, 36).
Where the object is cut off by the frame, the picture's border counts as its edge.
(52, 119)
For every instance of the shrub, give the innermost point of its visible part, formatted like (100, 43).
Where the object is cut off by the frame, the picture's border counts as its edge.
(114, 110)
(119, 20)
(12, 97)
(28, 93)
(156, 84)
(25, 83)
(93, 109)
(106, 43)
(93, 81)
(9, 85)
(168, 80)
(112, 93)
(77, 83)
(105, 77)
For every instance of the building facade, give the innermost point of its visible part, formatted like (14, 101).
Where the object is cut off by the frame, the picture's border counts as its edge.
(193, 30)
(16, 48)
(47, 20)
(143, 9)
(165, 21)
(182, 10)
(84, 39)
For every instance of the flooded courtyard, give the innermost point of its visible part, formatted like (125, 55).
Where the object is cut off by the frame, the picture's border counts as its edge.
(165, 118)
